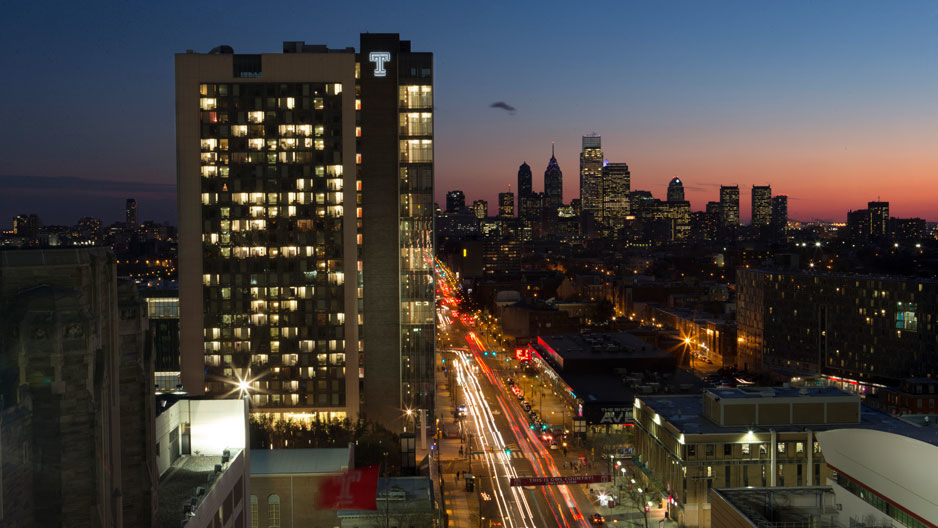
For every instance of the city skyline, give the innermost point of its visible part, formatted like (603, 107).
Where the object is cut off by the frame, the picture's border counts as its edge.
(824, 103)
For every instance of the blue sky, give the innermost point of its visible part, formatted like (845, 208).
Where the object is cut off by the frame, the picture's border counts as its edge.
(832, 103)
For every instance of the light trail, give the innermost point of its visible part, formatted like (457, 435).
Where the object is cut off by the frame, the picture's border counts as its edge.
(512, 503)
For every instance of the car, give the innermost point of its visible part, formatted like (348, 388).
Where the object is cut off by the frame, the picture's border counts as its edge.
(462, 410)
(597, 519)
(510, 382)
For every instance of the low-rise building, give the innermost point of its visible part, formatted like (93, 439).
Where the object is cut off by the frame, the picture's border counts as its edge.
(688, 445)
(402, 502)
(203, 463)
(285, 484)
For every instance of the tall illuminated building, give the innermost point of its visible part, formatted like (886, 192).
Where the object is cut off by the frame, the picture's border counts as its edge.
(761, 205)
(455, 202)
(130, 212)
(305, 199)
(616, 183)
(675, 190)
(480, 209)
(779, 219)
(553, 187)
(506, 204)
(729, 208)
(591, 166)
(879, 219)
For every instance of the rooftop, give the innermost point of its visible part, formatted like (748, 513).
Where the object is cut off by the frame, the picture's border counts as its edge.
(410, 494)
(601, 346)
(686, 413)
(784, 507)
(178, 486)
(300, 461)
(779, 392)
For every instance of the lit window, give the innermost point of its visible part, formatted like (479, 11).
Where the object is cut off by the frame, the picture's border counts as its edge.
(255, 117)
(273, 511)
(208, 103)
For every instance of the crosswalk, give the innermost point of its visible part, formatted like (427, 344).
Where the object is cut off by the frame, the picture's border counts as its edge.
(512, 448)
(514, 454)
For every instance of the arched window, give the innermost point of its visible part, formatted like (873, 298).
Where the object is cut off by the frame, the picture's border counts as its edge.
(273, 511)
(253, 511)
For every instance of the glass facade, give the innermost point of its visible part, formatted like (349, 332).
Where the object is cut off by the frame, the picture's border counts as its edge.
(272, 243)
(416, 244)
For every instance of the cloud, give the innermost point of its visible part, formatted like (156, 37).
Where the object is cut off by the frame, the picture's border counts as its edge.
(504, 106)
(73, 184)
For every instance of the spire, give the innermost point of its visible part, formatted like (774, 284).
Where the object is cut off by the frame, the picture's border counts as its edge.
(552, 149)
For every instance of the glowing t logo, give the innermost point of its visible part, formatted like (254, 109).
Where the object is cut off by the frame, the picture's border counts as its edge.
(379, 58)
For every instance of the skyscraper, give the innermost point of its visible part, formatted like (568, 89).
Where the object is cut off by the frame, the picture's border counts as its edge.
(553, 186)
(130, 212)
(879, 219)
(524, 182)
(616, 183)
(779, 214)
(591, 166)
(274, 153)
(761, 205)
(506, 204)
(455, 202)
(675, 190)
(397, 212)
(729, 208)
(480, 208)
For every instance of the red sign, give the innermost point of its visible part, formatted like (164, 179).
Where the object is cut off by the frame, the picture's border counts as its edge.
(523, 354)
(356, 489)
(553, 481)
(583, 459)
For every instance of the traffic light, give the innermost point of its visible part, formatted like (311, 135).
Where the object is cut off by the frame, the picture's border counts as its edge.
(508, 451)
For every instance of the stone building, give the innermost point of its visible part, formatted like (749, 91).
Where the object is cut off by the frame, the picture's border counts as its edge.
(76, 386)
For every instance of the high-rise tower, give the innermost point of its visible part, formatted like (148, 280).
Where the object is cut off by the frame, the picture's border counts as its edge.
(591, 166)
(553, 186)
(729, 208)
(779, 214)
(455, 202)
(305, 199)
(130, 212)
(506, 204)
(761, 205)
(524, 180)
(616, 183)
(675, 190)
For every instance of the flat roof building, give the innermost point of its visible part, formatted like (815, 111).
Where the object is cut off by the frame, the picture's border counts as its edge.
(203, 463)
(306, 217)
(728, 438)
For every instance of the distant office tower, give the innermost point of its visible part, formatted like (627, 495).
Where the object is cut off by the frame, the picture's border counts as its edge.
(811, 322)
(480, 208)
(455, 202)
(553, 186)
(714, 220)
(76, 393)
(130, 212)
(286, 278)
(675, 190)
(761, 205)
(879, 219)
(616, 183)
(907, 230)
(524, 181)
(506, 204)
(591, 166)
(779, 218)
(729, 207)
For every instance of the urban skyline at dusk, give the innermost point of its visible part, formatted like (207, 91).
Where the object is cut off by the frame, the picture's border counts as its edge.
(832, 105)
(469, 265)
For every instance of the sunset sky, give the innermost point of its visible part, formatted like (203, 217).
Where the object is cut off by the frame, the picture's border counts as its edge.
(834, 103)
